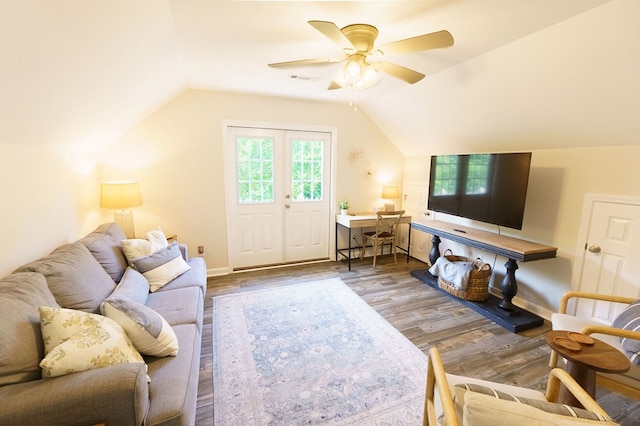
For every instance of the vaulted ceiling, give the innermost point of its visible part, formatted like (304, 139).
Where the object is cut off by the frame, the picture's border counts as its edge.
(80, 73)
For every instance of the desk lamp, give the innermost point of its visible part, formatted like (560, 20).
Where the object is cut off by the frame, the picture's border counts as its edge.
(390, 192)
(121, 195)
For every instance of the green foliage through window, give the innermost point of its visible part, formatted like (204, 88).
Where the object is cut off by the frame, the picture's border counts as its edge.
(255, 170)
(306, 170)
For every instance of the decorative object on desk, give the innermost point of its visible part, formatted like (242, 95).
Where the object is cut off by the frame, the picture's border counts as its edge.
(121, 195)
(344, 207)
(390, 192)
(476, 273)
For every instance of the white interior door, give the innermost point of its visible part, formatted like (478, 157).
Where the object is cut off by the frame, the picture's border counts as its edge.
(609, 260)
(278, 196)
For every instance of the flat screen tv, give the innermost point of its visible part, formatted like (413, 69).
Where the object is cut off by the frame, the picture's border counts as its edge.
(489, 188)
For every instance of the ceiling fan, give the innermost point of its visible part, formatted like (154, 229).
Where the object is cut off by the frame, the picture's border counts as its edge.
(363, 61)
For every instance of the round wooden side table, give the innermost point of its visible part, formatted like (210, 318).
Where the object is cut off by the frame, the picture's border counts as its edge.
(582, 364)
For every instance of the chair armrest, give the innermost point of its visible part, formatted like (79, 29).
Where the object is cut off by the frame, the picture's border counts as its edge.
(564, 301)
(436, 379)
(612, 331)
(558, 376)
(117, 395)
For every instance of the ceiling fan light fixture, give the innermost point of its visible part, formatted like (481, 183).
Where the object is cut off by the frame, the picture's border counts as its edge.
(352, 71)
(357, 74)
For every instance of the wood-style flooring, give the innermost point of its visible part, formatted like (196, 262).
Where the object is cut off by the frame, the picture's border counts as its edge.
(470, 344)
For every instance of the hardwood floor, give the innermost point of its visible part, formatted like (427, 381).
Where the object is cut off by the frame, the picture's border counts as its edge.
(470, 344)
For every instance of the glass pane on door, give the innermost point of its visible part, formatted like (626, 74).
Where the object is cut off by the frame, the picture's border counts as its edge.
(307, 158)
(255, 170)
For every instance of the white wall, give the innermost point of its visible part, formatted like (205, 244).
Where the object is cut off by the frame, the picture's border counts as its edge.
(177, 156)
(49, 197)
(558, 182)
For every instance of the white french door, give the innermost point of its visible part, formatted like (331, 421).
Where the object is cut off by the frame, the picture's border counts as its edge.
(278, 196)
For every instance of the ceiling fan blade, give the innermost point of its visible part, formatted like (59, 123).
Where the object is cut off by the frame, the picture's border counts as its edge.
(398, 71)
(334, 86)
(330, 30)
(303, 62)
(424, 42)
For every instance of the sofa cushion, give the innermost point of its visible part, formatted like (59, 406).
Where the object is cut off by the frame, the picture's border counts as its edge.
(162, 266)
(74, 276)
(148, 331)
(135, 248)
(190, 310)
(194, 277)
(629, 319)
(104, 245)
(133, 286)
(20, 339)
(179, 375)
(78, 341)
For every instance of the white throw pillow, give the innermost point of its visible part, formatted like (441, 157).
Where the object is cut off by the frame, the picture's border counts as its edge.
(162, 266)
(150, 333)
(136, 248)
(78, 341)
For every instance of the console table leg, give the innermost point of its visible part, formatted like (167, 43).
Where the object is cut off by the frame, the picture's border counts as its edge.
(509, 286)
(434, 254)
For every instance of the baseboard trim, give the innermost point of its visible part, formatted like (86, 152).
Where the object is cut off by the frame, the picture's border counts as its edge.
(218, 272)
(618, 387)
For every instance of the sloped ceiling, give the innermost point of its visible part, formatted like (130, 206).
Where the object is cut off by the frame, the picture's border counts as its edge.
(80, 73)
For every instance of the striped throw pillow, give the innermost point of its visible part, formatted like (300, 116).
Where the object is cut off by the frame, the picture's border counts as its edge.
(629, 319)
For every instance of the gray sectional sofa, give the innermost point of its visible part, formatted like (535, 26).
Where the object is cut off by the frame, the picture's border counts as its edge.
(82, 277)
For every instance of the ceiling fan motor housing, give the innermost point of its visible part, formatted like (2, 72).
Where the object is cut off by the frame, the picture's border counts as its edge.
(362, 36)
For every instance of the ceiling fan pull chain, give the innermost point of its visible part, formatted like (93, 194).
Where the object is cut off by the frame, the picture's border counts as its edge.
(352, 100)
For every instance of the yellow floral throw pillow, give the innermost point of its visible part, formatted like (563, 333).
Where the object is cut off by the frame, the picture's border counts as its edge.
(77, 341)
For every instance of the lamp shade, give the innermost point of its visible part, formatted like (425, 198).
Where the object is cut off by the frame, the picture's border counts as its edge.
(120, 194)
(390, 192)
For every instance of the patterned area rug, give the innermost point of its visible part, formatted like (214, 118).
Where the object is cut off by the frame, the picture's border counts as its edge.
(312, 353)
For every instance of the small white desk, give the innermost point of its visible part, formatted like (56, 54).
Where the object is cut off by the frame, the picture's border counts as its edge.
(361, 220)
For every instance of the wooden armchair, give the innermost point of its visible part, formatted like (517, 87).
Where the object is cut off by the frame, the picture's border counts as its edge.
(498, 406)
(563, 320)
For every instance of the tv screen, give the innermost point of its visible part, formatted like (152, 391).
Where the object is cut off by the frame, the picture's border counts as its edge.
(489, 188)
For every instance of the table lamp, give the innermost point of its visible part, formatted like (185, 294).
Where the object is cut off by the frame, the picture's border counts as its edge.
(121, 195)
(390, 192)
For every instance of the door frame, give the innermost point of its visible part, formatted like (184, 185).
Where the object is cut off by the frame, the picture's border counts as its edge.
(226, 123)
(585, 225)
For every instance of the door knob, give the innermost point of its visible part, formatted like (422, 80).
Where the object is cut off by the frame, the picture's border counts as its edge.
(288, 205)
(595, 249)
(287, 196)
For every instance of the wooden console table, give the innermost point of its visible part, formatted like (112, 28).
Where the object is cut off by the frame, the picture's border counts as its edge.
(513, 249)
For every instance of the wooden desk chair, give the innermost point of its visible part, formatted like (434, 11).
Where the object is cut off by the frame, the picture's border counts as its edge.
(451, 399)
(386, 231)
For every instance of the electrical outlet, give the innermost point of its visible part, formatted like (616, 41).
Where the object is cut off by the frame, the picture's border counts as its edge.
(200, 249)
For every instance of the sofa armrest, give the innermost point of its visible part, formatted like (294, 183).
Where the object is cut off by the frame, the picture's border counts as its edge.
(117, 395)
(184, 250)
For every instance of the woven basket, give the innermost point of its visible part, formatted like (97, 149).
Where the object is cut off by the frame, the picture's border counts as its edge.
(478, 285)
